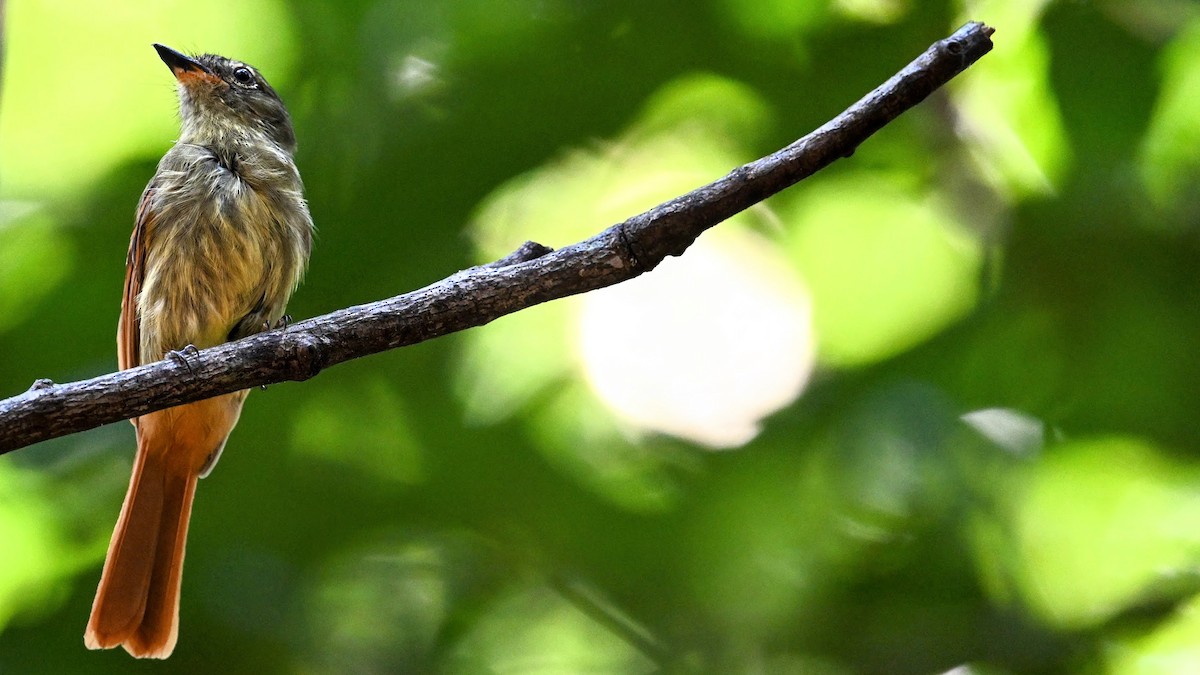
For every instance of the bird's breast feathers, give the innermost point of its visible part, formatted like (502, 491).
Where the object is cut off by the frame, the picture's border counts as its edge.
(231, 235)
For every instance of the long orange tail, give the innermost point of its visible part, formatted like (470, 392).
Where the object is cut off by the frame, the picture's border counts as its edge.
(137, 602)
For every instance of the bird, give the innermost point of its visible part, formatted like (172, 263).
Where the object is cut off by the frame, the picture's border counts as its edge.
(221, 239)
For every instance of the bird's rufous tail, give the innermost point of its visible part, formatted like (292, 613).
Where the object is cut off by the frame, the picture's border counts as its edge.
(137, 602)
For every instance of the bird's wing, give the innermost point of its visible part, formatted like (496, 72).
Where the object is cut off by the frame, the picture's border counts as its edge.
(129, 334)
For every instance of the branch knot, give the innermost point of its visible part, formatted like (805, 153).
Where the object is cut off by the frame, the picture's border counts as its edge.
(309, 355)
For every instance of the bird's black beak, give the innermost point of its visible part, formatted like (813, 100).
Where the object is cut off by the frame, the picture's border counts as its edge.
(181, 64)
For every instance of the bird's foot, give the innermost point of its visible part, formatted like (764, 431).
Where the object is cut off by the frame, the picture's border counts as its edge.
(181, 357)
(283, 322)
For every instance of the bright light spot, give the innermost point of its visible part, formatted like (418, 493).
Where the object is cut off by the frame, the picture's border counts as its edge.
(1013, 431)
(706, 345)
(414, 76)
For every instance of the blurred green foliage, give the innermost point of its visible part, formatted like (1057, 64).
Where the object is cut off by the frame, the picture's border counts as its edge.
(933, 410)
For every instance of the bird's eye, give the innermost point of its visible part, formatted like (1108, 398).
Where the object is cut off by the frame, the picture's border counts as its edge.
(243, 75)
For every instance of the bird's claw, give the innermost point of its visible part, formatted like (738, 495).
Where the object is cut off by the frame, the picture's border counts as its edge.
(181, 356)
(283, 322)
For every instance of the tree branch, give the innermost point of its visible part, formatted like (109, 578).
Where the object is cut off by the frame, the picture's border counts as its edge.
(532, 275)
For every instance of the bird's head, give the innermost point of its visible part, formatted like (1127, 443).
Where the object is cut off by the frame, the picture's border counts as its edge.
(222, 100)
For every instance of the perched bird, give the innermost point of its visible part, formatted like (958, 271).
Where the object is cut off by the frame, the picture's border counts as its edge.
(221, 239)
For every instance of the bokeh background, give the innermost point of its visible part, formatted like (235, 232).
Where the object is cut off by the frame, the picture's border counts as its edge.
(933, 410)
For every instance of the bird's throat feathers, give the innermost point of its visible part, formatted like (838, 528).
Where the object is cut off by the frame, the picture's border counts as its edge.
(223, 132)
